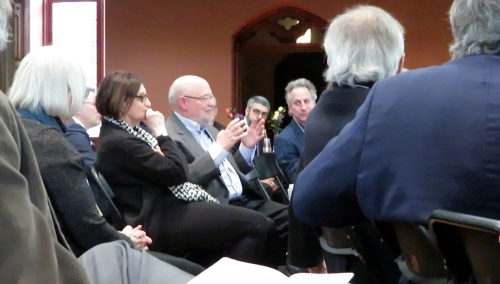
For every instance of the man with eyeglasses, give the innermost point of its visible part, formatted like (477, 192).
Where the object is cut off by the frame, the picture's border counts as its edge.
(77, 127)
(213, 166)
(257, 108)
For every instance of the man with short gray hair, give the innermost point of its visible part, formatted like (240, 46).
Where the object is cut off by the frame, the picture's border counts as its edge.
(364, 44)
(423, 140)
(301, 98)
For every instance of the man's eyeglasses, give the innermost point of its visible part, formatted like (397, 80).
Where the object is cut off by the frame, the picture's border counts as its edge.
(142, 98)
(203, 99)
(257, 112)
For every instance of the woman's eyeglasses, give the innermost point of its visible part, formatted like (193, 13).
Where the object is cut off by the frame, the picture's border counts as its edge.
(142, 98)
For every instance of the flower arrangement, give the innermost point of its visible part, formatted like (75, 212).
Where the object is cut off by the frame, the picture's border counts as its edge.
(276, 120)
(232, 114)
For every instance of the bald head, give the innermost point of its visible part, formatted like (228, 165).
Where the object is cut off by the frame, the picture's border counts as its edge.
(5, 11)
(185, 86)
(191, 97)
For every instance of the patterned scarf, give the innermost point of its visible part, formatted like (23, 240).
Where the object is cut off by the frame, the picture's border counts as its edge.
(187, 191)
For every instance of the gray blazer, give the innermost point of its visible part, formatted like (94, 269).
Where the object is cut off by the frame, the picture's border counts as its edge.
(202, 169)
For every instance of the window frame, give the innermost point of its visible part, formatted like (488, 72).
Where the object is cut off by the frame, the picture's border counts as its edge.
(100, 33)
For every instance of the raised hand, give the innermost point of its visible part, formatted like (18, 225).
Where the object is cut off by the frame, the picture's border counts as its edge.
(255, 133)
(233, 133)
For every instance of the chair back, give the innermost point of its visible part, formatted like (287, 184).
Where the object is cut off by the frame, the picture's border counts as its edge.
(469, 244)
(253, 179)
(419, 259)
(336, 242)
(116, 216)
(267, 167)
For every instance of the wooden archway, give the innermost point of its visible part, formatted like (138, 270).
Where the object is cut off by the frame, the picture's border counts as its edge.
(273, 33)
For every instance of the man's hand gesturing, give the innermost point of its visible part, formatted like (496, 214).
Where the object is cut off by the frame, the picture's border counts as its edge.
(255, 133)
(233, 133)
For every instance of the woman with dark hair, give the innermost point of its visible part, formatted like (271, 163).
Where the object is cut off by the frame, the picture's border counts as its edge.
(148, 174)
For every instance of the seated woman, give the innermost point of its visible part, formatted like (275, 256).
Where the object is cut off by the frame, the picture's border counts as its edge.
(148, 174)
(41, 97)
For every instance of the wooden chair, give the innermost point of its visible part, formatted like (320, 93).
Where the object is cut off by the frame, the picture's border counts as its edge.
(336, 241)
(116, 216)
(267, 167)
(469, 244)
(419, 259)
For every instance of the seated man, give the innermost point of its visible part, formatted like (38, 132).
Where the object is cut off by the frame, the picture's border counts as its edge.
(423, 140)
(77, 133)
(211, 165)
(76, 128)
(258, 107)
(288, 145)
(347, 44)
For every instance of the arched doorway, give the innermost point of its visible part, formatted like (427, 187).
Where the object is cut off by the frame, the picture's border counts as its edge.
(267, 56)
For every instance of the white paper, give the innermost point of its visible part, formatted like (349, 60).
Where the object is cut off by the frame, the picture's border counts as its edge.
(230, 271)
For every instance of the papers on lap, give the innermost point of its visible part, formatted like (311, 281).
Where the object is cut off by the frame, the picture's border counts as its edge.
(230, 271)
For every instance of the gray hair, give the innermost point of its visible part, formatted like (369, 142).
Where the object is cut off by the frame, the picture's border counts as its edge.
(258, 100)
(302, 82)
(364, 44)
(475, 25)
(5, 11)
(44, 80)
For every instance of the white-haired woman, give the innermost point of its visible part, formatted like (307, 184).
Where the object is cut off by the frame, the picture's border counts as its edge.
(48, 89)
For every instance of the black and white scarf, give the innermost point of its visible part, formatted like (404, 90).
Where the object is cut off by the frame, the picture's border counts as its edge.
(187, 191)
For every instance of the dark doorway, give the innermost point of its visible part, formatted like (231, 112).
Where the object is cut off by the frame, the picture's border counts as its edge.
(309, 65)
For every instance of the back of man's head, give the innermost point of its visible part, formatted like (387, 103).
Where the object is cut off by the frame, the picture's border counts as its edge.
(5, 11)
(364, 44)
(476, 27)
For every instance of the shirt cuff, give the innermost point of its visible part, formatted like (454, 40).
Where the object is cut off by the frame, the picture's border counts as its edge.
(217, 153)
(247, 153)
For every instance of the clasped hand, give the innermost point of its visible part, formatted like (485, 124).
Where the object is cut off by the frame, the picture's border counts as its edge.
(138, 237)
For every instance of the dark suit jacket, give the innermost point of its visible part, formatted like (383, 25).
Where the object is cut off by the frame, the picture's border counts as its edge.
(202, 169)
(138, 176)
(29, 246)
(288, 146)
(78, 136)
(335, 108)
(422, 140)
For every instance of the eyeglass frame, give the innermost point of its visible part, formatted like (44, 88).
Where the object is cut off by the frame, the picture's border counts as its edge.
(142, 97)
(204, 99)
(260, 113)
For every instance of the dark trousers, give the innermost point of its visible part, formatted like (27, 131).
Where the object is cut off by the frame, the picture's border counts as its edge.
(209, 227)
(277, 216)
(304, 249)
